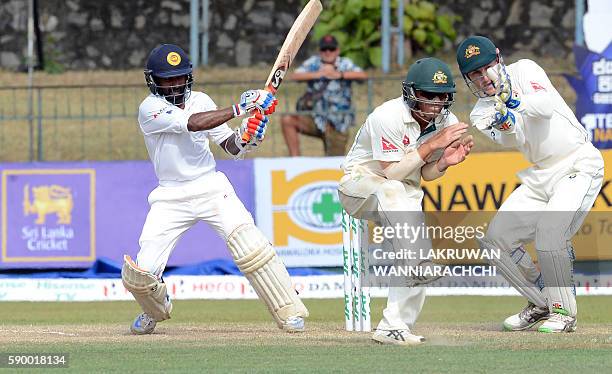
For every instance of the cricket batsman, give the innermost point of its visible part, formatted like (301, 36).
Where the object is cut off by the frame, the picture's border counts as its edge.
(405, 139)
(518, 107)
(177, 124)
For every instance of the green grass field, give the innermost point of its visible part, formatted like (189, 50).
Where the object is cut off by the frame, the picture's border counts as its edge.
(238, 336)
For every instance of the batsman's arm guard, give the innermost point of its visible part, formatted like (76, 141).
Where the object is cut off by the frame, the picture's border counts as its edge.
(259, 263)
(146, 288)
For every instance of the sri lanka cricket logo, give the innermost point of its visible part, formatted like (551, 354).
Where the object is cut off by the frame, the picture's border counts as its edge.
(439, 77)
(173, 58)
(472, 51)
(47, 200)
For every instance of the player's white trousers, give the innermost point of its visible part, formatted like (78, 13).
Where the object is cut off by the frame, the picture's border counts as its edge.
(360, 193)
(174, 209)
(549, 208)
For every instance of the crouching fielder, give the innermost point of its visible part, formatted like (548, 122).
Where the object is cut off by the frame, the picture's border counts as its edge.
(404, 139)
(518, 107)
(177, 124)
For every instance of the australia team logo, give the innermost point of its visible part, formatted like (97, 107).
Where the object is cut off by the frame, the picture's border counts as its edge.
(472, 51)
(439, 77)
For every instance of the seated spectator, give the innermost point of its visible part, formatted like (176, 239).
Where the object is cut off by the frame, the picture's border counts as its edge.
(327, 98)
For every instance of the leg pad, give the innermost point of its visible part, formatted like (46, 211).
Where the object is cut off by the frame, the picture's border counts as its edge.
(146, 288)
(267, 274)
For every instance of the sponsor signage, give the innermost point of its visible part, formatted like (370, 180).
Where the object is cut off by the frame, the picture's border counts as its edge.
(65, 215)
(298, 208)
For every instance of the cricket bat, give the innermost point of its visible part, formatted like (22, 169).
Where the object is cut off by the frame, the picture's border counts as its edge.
(298, 32)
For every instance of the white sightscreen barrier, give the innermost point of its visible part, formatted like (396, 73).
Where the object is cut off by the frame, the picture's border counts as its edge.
(597, 30)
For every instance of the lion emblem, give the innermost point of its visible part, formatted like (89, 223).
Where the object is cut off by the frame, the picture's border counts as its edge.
(472, 51)
(48, 200)
(439, 77)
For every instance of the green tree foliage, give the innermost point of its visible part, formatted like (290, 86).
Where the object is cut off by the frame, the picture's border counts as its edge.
(356, 25)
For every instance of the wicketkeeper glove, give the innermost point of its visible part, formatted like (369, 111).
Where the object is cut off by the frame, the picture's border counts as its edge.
(504, 118)
(501, 78)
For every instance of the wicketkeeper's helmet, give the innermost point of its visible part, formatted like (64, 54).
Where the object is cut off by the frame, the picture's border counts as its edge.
(472, 54)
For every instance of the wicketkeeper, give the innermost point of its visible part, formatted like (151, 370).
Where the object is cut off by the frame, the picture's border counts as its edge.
(518, 107)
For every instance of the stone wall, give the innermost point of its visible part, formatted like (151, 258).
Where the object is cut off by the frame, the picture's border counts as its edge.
(541, 27)
(118, 34)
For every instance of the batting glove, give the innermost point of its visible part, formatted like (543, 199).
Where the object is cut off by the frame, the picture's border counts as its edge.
(254, 99)
(255, 127)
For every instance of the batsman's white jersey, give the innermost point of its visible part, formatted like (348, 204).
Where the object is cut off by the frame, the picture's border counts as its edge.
(178, 155)
(556, 192)
(190, 189)
(387, 134)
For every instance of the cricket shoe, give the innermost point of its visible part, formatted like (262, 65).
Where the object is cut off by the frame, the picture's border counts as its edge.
(294, 324)
(559, 322)
(529, 316)
(143, 324)
(397, 337)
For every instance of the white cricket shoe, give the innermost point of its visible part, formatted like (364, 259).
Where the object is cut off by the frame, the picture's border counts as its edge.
(294, 324)
(526, 318)
(397, 337)
(559, 323)
(143, 324)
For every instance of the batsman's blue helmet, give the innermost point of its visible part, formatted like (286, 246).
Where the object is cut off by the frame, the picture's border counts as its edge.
(168, 61)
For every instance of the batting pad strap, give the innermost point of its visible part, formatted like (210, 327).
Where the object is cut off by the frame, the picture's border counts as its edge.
(148, 291)
(256, 258)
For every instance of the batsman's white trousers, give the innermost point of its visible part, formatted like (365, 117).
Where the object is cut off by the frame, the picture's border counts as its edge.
(362, 192)
(174, 209)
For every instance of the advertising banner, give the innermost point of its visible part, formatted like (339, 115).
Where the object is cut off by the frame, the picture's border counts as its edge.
(594, 64)
(62, 215)
(298, 208)
(472, 193)
(235, 287)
